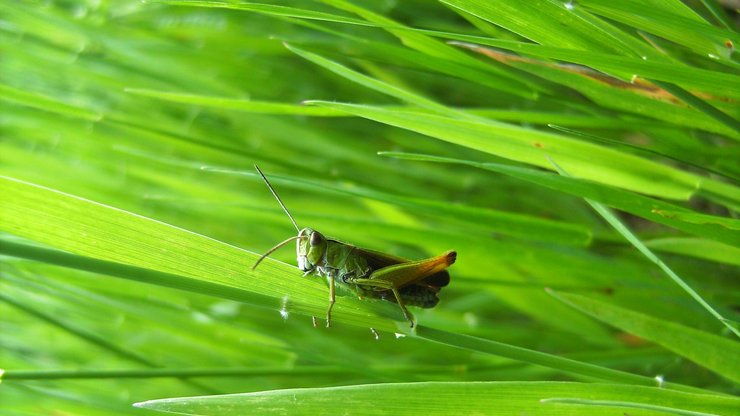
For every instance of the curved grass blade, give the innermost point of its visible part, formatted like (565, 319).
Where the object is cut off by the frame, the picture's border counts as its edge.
(714, 227)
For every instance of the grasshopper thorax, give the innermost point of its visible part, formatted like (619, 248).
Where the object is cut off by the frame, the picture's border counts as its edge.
(311, 249)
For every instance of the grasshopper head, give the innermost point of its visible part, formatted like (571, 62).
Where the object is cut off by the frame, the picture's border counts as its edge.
(310, 248)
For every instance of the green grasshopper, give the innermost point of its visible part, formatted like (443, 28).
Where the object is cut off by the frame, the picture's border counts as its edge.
(370, 273)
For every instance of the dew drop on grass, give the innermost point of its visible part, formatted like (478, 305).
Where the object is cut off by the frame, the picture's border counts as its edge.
(375, 334)
(399, 335)
(225, 309)
(661, 381)
(471, 319)
(284, 308)
(201, 318)
(569, 5)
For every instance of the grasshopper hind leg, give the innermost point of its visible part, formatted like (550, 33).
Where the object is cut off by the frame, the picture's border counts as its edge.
(382, 284)
(405, 311)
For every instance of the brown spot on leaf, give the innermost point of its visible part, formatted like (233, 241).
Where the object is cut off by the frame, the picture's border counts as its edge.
(631, 339)
(636, 85)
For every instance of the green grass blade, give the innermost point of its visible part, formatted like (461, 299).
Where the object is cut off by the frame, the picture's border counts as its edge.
(614, 221)
(269, 9)
(718, 354)
(700, 105)
(716, 9)
(635, 241)
(46, 103)
(168, 372)
(417, 40)
(251, 106)
(530, 146)
(714, 227)
(692, 32)
(140, 274)
(699, 218)
(215, 268)
(430, 50)
(79, 332)
(372, 83)
(622, 95)
(130, 216)
(684, 75)
(515, 225)
(628, 405)
(92, 338)
(583, 369)
(116, 236)
(697, 247)
(545, 23)
(445, 398)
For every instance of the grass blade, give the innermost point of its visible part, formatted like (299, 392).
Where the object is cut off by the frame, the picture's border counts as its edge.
(445, 398)
(714, 227)
(718, 354)
(622, 229)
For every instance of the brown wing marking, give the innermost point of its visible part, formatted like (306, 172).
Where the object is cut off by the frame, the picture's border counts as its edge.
(377, 260)
(414, 272)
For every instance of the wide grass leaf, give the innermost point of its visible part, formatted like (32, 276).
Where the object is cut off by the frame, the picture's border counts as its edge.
(445, 398)
(105, 233)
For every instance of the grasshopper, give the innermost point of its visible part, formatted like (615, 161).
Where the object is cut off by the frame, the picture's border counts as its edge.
(369, 273)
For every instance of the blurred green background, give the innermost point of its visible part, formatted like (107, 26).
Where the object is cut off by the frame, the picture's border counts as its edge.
(131, 213)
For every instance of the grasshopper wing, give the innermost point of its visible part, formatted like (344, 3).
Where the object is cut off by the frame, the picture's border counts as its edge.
(417, 281)
(377, 260)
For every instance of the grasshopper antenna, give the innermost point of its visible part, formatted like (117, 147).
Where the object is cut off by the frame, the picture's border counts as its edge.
(278, 200)
(264, 256)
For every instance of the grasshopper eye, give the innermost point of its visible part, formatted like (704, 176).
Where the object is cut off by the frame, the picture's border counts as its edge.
(315, 239)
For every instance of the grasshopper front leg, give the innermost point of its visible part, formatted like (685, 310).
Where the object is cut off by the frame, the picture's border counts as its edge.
(332, 297)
